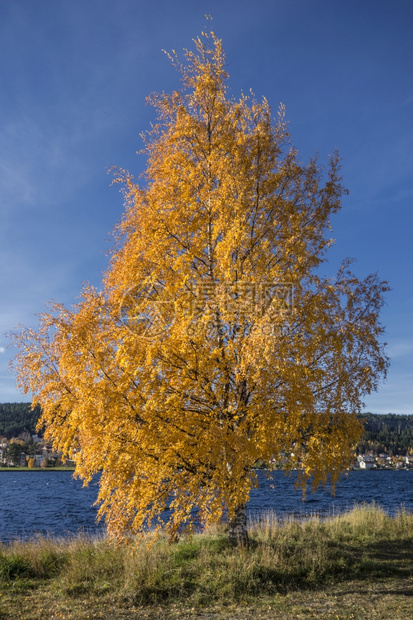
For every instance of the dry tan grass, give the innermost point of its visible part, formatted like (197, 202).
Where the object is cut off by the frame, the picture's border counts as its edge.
(287, 561)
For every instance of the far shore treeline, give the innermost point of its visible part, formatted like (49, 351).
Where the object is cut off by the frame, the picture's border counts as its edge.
(15, 418)
(391, 433)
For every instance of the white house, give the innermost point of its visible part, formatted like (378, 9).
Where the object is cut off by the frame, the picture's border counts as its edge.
(365, 461)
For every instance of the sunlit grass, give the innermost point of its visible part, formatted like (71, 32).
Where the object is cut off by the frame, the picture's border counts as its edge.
(284, 555)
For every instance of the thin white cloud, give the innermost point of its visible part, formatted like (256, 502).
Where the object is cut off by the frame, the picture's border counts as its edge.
(400, 348)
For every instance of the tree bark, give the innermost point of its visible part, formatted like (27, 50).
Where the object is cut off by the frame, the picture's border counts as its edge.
(237, 531)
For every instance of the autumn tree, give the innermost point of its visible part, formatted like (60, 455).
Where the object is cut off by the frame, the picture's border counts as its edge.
(215, 341)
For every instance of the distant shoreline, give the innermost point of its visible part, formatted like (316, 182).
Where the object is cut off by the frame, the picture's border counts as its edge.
(16, 469)
(43, 469)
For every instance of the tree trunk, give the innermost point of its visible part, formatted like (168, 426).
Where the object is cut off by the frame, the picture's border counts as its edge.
(237, 531)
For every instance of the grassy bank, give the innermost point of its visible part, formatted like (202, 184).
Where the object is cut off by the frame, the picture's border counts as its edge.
(357, 565)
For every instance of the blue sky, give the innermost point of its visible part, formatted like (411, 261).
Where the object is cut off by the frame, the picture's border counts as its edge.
(74, 75)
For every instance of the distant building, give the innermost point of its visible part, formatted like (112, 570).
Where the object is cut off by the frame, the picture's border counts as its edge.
(365, 461)
(38, 460)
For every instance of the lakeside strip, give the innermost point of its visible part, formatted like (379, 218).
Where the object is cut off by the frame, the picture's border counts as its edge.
(16, 469)
(343, 564)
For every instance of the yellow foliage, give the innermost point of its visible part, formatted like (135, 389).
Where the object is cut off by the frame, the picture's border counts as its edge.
(215, 340)
(15, 440)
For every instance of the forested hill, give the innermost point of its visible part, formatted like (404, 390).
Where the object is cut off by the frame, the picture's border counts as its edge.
(391, 433)
(16, 418)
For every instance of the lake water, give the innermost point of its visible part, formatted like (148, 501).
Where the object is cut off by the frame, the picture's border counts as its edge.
(53, 502)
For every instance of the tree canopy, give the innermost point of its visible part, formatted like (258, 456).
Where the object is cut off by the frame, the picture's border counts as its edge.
(215, 340)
